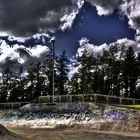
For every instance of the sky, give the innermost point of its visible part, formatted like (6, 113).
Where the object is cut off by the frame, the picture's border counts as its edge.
(99, 30)
(77, 25)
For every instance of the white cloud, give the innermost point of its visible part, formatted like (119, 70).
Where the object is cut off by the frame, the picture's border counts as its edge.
(90, 49)
(101, 11)
(6, 51)
(37, 50)
(105, 7)
(64, 18)
(18, 55)
(69, 17)
(131, 8)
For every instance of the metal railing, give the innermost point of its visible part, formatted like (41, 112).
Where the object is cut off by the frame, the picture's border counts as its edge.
(12, 105)
(98, 98)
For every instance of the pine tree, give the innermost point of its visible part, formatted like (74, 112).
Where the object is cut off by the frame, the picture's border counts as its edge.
(62, 74)
(137, 95)
(112, 70)
(130, 73)
(74, 84)
(85, 74)
(22, 85)
(6, 84)
(17, 90)
(36, 81)
(48, 65)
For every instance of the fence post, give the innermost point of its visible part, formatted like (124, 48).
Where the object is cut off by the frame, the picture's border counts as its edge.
(107, 99)
(120, 100)
(70, 98)
(39, 99)
(83, 98)
(60, 99)
(134, 102)
(12, 106)
(95, 98)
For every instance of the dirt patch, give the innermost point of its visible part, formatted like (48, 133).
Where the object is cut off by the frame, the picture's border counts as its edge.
(5, 134)
(74, 134)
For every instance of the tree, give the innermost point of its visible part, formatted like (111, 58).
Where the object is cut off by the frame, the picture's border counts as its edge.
(112, 59)
(22, 85)
(137, 95)
(6, 84)
(74, 84)
(36, 81)
(130, 73)
(62, 74)
(85, 74)
(48, 66)
(98, 80)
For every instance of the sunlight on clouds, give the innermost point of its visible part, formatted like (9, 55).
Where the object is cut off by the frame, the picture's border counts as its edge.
(94, 50)
(37, 50)
(68, 18)
(101, 11)
(90, 49)
(19, 54)
(60, 15)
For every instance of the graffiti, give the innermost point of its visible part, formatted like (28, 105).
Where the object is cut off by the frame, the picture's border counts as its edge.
(73, 106)
(114, 114)
(92, 111)
(74, 111)
(77, 107)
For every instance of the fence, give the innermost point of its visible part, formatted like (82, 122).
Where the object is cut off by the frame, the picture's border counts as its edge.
(13, 105)
(98, 98)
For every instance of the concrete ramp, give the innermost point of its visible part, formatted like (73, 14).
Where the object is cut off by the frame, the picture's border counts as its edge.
(5, 134)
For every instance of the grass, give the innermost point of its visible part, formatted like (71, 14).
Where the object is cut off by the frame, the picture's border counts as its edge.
(131, 106)
(134, 106)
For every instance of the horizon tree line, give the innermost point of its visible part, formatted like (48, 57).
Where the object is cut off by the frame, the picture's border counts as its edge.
(115, 73)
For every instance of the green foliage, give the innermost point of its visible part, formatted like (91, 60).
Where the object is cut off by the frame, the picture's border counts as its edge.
(74, 84)
(130, 73)
(62, 74)
(115, 73)
(85, 74)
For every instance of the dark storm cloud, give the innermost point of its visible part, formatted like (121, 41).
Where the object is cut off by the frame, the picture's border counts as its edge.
(18, 55)
(136, 21)
(106, 3)
(131, 9)
(23, 52)
(11, 64)
(25, 17)
(15, 65)
(105, 7)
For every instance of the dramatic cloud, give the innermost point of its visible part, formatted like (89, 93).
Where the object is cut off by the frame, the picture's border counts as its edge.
(131, 8)
(18, 55)
(128, 8)
(105, 7)
(25, 17)
(91, 49)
